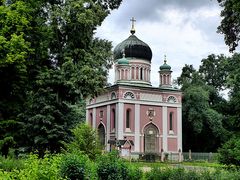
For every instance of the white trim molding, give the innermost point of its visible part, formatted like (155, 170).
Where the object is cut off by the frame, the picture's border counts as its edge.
(179, 127)
(94, 118)
(164, 126)
(137, 128)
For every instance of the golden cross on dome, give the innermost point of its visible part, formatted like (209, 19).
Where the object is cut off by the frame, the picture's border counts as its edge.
(165, 58)
(133, 29)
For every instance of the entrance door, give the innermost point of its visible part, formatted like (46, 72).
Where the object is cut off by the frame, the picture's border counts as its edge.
(151, 139)
(101, 134)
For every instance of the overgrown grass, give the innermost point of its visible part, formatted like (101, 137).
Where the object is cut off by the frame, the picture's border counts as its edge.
(109, 166)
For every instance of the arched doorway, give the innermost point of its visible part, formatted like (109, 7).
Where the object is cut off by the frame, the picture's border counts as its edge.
(101, 134)
(151, 139)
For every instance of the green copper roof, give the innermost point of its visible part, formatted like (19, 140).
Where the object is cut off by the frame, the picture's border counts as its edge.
(133, 48)
(165, 66)
(123, 61)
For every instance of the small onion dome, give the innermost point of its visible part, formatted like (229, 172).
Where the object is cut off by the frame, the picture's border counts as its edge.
(123, 60)
(165, 66)
(133, 48)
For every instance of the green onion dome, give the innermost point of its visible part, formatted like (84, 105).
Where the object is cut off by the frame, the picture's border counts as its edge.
(123, 61)
(133, 48)
(165, 66)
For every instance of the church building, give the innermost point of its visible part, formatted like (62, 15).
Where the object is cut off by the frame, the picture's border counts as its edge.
(132, 114)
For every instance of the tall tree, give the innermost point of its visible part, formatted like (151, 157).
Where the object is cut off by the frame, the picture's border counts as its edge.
(230, 24)
(50, 61)
(200, 119)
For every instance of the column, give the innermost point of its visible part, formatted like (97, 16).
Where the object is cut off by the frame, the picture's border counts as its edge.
(119, 121)
(164, 125)
(179, 127)
(108, 126)
(94, 118)
(135, 70)
(137, 128)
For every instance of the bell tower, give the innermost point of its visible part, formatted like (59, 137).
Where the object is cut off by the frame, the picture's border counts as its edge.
(165, 75)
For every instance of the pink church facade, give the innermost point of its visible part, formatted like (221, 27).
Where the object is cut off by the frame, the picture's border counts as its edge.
(131, 110)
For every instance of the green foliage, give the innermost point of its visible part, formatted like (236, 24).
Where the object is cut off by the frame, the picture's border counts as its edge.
(5, 145)
(165, 174)
(111, 167)
(50, 61)
(203, 105)
(195, 105)
(134, 173)
(230, 23)
(214, 70)
(229, 153)
(179, 174)
(77, 166)
(85, 140)
(35, 168)
(9, 164)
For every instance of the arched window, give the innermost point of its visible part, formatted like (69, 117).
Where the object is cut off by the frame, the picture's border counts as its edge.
(128, 113)
(91, 119)
(171, 99)
(101, 135)
(141, 74)
(113, 95)
(129, 95)
(113, 119)
(171, 121)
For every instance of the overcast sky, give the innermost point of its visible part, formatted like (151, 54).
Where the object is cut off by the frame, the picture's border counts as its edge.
(184, 30)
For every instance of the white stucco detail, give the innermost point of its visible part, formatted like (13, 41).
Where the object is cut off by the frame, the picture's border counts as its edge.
(150, 97)
(108, 126)
(94, 118)
(102, 98)
(134, 101)
(179, 127)
(137, 128)
(164, 125)
(119, 121)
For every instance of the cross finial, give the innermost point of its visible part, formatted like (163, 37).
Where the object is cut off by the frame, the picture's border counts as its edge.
(123, 53)
(133, 29)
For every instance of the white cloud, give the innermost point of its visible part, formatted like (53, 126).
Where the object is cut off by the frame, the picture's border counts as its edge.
(185, 35)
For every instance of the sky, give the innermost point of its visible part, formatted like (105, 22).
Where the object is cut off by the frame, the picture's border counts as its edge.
(183, 30)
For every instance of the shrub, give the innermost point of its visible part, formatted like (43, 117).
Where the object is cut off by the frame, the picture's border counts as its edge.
(76, 166)
(111, 167)
(229, 154)
(175, 173)
(8, 164)
(134, 173)
(85, 140)
(35, 168)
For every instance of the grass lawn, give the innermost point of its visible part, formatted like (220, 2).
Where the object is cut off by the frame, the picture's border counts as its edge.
(171, 164)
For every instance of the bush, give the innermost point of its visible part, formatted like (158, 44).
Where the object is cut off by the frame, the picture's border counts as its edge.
(176, 174)
(111, 167)
(85, 140)
(229, 154)
(35, 168)
(76, 166)
(8, 164)
(134, 173)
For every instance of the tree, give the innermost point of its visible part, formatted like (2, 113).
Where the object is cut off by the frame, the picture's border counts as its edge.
(200, 116)
(214, 71)
(229, 153)
(230, 24)
(85, 140)
(50, 61)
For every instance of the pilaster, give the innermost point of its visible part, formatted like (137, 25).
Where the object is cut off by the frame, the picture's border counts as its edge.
(137, 128)
(164, 125)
